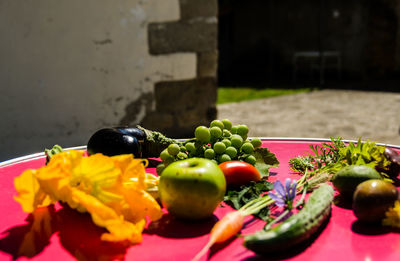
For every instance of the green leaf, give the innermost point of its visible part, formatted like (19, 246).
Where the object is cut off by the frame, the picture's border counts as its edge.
(265, 160)
(237, 198)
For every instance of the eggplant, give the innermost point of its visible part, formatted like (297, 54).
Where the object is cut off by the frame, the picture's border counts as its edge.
(140, 142)
(394, 158)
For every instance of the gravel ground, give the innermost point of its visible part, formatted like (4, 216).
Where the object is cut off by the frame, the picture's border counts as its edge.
(373, 116)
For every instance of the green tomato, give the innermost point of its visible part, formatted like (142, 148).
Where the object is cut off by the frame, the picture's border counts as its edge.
(372, 198)
(215, 132)
(173, 149)
(192, 188)
(227, 124)
(217, 123)
(202, 134)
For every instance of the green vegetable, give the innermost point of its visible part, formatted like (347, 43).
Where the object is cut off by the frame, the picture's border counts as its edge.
(347, 179)
(237, 198)
(366, 153)
(202, 133)
(192, 188)
(372, 199)
(329, 158)
(264, 161)
(297, 228)
(217, 143)
(154, 142)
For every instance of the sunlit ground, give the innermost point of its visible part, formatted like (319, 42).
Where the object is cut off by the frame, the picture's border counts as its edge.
(228, 95)
(320, 114)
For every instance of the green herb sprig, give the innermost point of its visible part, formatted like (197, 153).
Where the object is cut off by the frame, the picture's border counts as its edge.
(329, 157)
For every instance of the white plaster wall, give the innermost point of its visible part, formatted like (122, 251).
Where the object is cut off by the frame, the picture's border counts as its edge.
(70, 67)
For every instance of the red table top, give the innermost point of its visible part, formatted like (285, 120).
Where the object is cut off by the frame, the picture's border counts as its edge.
(64, 234)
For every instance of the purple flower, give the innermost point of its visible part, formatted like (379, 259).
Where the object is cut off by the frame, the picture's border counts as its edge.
(284, 195)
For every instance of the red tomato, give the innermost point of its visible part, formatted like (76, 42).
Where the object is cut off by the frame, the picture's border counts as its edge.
(239, 173)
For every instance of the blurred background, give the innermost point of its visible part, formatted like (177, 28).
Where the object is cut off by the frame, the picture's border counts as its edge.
(312, 68)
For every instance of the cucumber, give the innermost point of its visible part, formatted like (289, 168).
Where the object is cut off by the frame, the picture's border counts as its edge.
(297, 228)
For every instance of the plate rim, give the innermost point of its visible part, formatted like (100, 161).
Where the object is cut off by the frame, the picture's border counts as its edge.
(41, 154)
(33, 156)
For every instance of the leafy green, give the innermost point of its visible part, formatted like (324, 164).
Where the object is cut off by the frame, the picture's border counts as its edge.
(237, 198)
(365, 153)
(331, 157)
(265, 160)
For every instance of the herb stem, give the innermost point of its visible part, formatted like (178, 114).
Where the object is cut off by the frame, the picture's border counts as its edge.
(256, 205)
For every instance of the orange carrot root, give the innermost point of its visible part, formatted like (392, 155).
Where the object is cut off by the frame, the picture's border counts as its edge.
(223, 230)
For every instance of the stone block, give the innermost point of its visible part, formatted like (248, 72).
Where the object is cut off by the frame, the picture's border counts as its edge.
(172, 37)
(194, 8)
(178, 96)
(158, 121)
(207, 64)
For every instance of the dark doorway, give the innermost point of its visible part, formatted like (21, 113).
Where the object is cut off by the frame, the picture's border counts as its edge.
(340, 44)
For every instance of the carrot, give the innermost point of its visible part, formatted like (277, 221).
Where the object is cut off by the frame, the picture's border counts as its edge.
(223, 230)
(232, 223)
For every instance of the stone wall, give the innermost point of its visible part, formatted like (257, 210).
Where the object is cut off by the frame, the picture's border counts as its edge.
(182, 105)
(69, 67)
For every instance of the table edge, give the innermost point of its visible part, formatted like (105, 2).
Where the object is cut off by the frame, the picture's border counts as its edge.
(41, 154)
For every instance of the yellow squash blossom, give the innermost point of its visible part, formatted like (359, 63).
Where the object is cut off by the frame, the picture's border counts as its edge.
(111, 189)
(393, 216)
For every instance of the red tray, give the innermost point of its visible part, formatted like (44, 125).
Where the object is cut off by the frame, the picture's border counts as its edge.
(65, 234)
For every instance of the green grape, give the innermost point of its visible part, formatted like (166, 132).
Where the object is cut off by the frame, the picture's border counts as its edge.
(216, 162)
(226, 133)
(250, 159)
(168, 160)
(181, 155)
(223, 158)
(209, 153)
(242, 130)
(202, 134)
(215, 132)
(236, 141)
(227, 124)
(217, 123)
(247, 148)
(164, 154)
(182, 149)
(173, 149)
(226, 142)
(234, 129)
(256, 142)
(190, 146)
(160, 167)
(231, 151)
(219, 147)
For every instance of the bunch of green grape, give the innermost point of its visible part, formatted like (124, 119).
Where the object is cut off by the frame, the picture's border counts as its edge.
(219, 142)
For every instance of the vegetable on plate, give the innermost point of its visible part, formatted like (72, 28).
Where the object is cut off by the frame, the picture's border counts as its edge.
(372, 199)
(329, 157)
(239, 173)
(220, 142)
(297, 228)
(111, 189)
(192, 188)
(140, 142)
(223, 230)
(347, 178)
